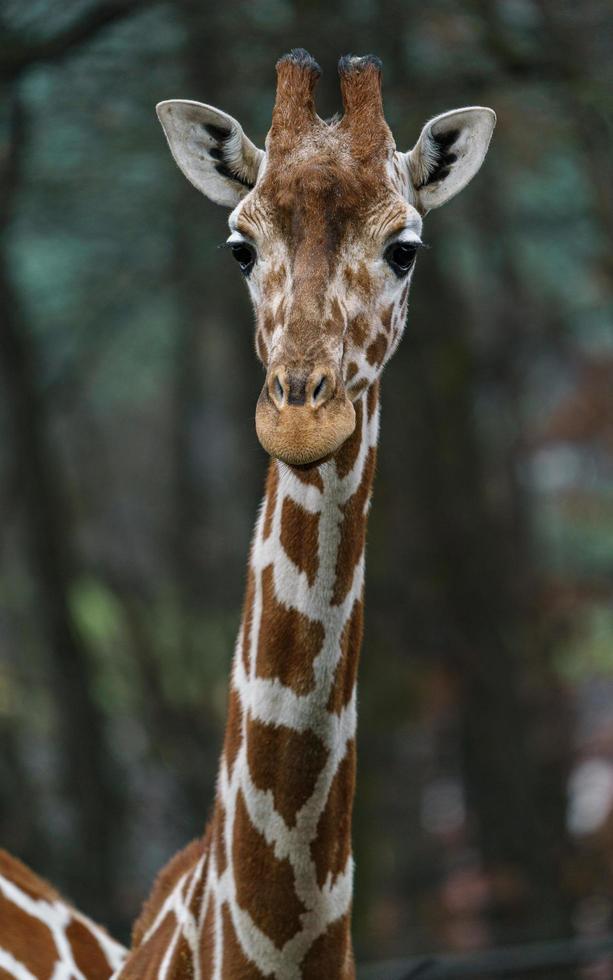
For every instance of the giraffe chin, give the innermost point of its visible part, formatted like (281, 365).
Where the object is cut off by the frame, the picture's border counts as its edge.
(300, 435)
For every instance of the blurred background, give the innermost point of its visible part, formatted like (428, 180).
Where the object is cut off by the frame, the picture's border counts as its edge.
(130, 471)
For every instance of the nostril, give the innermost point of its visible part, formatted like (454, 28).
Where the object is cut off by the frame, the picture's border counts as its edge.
(322, 390)
(278, 387)
(319, 388)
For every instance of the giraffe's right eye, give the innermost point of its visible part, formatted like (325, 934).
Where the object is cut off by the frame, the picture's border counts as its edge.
(244, 253)
(400, 256)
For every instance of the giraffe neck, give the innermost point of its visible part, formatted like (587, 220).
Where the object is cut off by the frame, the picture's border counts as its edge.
(266, 893)
(286, 783)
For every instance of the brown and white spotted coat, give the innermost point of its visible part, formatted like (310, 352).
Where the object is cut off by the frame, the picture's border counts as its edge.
(325, 225)
(42, 937)
(269, 894)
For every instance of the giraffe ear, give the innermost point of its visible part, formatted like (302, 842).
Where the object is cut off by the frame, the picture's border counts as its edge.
(211, 149)
(448, 154)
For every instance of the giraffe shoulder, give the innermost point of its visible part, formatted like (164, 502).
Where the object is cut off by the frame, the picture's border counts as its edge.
(24, 878)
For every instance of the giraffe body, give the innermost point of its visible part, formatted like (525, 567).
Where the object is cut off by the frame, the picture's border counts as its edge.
(326, 224)
(42, 936)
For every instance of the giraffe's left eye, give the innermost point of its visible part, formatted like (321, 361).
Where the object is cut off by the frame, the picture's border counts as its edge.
(400, 256)
(244, 255)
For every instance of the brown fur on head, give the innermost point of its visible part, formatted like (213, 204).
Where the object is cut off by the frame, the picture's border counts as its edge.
(326, 225)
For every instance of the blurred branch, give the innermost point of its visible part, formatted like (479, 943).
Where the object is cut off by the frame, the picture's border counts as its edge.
(18, 54)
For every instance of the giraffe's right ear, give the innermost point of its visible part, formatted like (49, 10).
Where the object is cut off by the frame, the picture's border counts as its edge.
(211, 149)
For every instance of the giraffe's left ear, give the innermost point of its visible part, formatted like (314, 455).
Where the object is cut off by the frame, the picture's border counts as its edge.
(211, 149)
(448, 154)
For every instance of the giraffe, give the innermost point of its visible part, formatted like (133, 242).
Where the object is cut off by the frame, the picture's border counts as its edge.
(325, 226)
(42, 936)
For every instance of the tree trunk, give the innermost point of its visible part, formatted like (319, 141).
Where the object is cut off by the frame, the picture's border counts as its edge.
(86, 776)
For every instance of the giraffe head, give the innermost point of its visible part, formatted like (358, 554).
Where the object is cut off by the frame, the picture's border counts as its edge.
(325, 226)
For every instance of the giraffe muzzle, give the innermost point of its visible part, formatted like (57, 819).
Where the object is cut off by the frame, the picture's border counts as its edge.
(303, 415)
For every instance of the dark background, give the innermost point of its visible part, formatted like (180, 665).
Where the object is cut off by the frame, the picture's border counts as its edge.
(130, 470)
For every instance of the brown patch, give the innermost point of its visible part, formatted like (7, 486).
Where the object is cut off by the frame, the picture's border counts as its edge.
(286, 762)
(207, 941)
(234, 729)
(372, 400)
(248, 618)
(88, 956)
(275, 909)
(331, 955)
(338, 316)
(268, 323)
(348, 453)
(272, 483)
(353, 528)
(333, 329)
(300, 537)
(386, 318)
(376, 351)
(358, 330)
(352, 370)
(164, 884)
(344, 679)
(360, 280)
(349, 276)
(221, 858)
(182, 961)
(289, 641)
(274, 284)
(309, 475)
(30, 940)
(332, 845)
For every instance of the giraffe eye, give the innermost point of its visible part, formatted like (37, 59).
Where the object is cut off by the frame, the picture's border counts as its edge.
(244, 255)
(400, 256)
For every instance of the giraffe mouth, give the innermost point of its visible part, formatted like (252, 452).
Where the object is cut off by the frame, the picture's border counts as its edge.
(302, 434)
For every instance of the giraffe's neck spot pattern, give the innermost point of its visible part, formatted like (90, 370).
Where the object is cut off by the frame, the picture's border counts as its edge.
(283, 810)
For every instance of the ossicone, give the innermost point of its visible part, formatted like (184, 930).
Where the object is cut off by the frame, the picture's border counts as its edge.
(294, 111)
(363, 118)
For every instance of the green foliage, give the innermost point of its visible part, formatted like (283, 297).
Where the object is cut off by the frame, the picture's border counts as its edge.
(588, 653)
